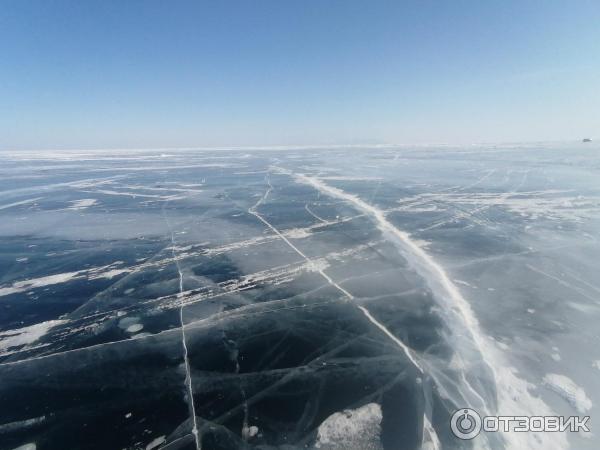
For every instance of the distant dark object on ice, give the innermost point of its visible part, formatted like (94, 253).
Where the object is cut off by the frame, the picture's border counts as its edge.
(586, 140)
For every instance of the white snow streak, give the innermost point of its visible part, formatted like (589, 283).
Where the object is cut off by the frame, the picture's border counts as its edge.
(22, 202)
(25, 336)
(311, 263)
(513, 393)
(567, 389)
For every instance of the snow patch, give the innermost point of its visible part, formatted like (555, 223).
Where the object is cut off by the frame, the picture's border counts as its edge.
(24, 336)
(33, 283)
(464, 283)
(30, 446)
(296, 233)
(21, 425)
(568, 390)
(156, 442)
(317, 265)
(95, 273)
(84, 203)
(248, 432)
(134, 328)
(352, 429)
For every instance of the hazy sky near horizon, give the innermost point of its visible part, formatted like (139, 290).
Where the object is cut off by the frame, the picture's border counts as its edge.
(98, 74)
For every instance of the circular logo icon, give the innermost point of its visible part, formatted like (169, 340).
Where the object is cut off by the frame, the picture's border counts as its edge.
(465, 423)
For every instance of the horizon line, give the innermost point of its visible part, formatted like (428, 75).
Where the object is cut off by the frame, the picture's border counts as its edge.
(276, 147)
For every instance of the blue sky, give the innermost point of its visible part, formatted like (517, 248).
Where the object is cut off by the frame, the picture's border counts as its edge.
(106, 74)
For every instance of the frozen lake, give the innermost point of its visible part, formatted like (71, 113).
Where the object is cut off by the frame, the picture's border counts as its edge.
(334, 298)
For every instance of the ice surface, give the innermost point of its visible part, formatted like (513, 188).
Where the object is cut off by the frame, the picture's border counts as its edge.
(296, 298)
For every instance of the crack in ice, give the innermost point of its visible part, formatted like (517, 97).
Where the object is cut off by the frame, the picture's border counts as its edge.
(512, 392)
(188, 376)
(347, 294)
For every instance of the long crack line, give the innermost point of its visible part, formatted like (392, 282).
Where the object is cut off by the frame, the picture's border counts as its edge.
(188, 376)
(348, 295)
